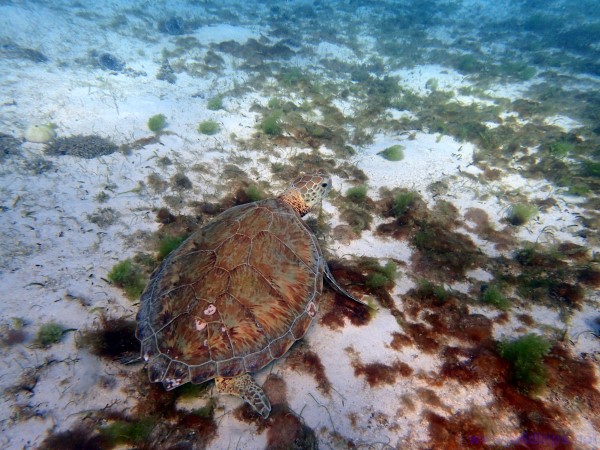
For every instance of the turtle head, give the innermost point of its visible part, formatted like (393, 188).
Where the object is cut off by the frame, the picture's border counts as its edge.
(306, 192)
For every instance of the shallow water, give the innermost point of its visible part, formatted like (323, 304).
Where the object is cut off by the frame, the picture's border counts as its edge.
(480, 230)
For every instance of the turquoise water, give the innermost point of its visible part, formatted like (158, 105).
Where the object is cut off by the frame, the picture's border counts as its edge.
(463, 138)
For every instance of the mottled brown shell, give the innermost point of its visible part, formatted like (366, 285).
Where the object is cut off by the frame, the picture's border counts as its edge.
(233, 297)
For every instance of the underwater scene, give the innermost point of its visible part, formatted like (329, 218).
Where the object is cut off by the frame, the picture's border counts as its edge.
(158, 160)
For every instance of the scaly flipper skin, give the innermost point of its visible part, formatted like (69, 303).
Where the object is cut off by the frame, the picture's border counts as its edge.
(337, 288)
(245, 387)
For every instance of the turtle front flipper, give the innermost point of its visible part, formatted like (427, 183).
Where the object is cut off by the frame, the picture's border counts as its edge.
(337, 288)
(245, 387)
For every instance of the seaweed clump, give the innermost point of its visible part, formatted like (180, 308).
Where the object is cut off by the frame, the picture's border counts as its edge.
(357, 194)
(393, 153)
(208, 127)
(406, 207)
(271, 125)
(381, 276)
(128, 276)
(441, 250)
(49, 334)
(520, 213)
(525, 355)
(288, 431)
(87, 147)
(14, 333)
(9, 145)
(174, 26)
(254, 193)
(402, 201)
(492, 295)
(107, 61)
(167, 244)
(445, 313)
(10, 50)
(80, 437)
(445, 252)
(215, 103)
(181, 182)
(157, 123)
(376, 373)
(115, 339)
(127, 431)
(546, 275)
(104, 217)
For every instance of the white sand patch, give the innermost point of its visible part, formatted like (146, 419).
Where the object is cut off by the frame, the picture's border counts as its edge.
(374, 247)
(427, 158)
(399, 115)
(512, 91)
(421, 79)
(225, 32)
(329, 50)
(566, 123)
(235, 434)
(547, 322)
(480, 275)
(557, 223)
(333, 412)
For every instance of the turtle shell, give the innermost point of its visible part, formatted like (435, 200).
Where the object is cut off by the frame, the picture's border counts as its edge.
(233, 297)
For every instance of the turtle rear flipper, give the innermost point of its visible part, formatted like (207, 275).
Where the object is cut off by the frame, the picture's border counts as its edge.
(245, 387)
(337, 288)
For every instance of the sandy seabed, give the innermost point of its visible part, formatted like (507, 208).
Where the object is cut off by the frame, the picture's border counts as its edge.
(355, 381)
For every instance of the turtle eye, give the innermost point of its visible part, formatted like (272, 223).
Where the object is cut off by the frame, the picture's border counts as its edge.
(324, 185)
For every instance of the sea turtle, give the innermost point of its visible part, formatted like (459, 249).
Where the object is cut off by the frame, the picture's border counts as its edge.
(236, 295)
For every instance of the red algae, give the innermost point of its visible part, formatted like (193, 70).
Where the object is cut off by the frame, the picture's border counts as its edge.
(534, 416)
(445, 314)
(116, 339)
(431, 398)
(275, 389)
(526, 319)
(590, 276)
(574, 379)
(302, 359)
(502, 318)
(472, 365)
(377, 374)
(399, 341)
(541, 424)
(286, 431)
(573, 251)
(336, 309)
(424, 338)
(457, 432)
(81, 437)
(355, 277)
(245, 414)
(204, 429)
(503, 239)
(154, 399)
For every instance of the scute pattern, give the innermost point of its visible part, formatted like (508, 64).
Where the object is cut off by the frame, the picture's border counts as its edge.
(293, 281)
(265, 303)
(214, 283)
(232, 297)
(233, 252)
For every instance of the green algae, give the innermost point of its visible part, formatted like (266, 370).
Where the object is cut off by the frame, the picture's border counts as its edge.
(393, 153)
(128, 276)
(525, 354)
